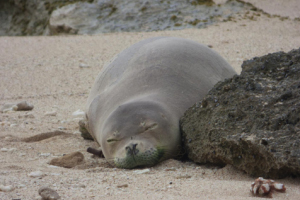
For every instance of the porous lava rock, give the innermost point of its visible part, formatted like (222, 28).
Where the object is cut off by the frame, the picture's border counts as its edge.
(250, 121)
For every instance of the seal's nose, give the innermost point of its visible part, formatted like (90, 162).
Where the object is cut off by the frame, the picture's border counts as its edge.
(131, 149)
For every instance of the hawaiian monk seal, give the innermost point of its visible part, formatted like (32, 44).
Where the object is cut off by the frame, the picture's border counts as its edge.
(134, 107)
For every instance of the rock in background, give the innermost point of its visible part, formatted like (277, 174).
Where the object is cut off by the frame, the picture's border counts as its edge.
(52, 17)
(104, 16)
(251, 121)
(28, 17)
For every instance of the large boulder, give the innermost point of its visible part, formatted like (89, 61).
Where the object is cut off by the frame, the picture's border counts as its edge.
(251, 121)
(102, 16)
(52, 17)
(29, 17)
(23, 17)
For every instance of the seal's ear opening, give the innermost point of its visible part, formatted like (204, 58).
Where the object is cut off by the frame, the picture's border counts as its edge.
(95, 152)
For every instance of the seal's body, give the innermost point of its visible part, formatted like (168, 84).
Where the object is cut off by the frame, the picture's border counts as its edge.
(134, 107)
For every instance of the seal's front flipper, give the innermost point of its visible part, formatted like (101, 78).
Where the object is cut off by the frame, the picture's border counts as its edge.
(96, 152)
(84, 130)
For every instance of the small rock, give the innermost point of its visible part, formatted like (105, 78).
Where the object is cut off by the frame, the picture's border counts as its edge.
(122, 186)
(82, 65)
(170, 169)
(69, 160)
(24, 105)
(4, 149)
(78, 186)
(52, 166)
(9, 107)
(21, 186)
(61, 128)
(48, 194)
(45, 154)
(143, 171)
(78, 113)
(36, 174)
(7, 188)
(13, 125)
(51, 113)
(184, 177)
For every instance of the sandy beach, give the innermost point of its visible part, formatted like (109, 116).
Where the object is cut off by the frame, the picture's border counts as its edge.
(45, 71)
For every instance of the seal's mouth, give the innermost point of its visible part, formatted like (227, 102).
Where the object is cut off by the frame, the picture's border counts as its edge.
(134, 158)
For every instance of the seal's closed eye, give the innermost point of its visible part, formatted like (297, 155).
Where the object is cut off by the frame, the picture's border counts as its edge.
(111, 140)
(151, 126)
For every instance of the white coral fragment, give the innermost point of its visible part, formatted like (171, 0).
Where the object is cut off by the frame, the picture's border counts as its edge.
(265, 187)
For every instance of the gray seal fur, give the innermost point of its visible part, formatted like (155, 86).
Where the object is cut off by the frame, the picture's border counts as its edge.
(135, 104)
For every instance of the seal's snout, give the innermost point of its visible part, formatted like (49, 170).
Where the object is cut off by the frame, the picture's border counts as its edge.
(131, 149)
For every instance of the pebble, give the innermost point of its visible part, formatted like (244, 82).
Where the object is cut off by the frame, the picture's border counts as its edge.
(24, 105)
(36, 174)
(78, 186)
(78, 113)
(52, 166)
(51, 113)
(21, 106)
(7, 188)
(8, 150)
(48, 193)
(143, 171)
(4, 149)
(13, 125)
(122, 186)
(62, 128)
(9, 107)
(83, 65)
(171, 169)
(45, 154)
(21, 186)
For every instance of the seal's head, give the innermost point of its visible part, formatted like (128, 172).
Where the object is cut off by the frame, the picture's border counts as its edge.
(139, 134)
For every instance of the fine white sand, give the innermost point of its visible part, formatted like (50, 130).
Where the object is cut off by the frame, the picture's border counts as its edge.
(45, 72)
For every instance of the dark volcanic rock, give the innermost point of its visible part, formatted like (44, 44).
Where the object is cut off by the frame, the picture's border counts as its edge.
(252, 120)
